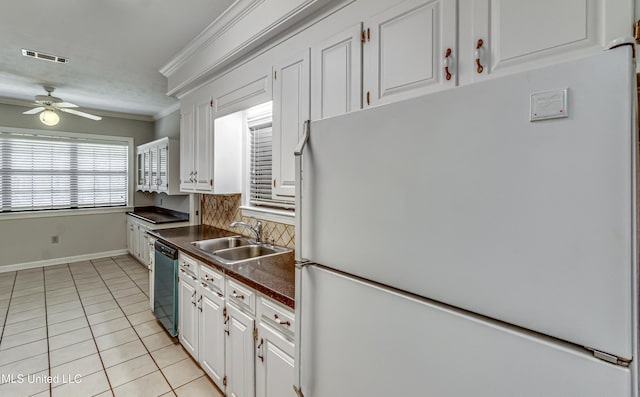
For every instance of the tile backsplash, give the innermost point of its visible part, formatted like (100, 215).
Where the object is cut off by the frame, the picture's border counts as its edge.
(221, 210)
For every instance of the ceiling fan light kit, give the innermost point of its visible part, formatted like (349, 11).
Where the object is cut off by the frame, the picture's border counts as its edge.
(47, 106)
(49, 117)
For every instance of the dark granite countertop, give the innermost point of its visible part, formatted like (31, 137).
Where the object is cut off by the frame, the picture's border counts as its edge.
(158, 215)
(272, 276)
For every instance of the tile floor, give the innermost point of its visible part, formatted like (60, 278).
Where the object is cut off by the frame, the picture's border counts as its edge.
(85, 329)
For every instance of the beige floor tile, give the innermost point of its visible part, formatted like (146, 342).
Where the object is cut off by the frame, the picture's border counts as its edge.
(110, 326)
(117, 338)
(72, 352)
(30, 290)
(100, 307)
(130, 370)
(92, 300)
(24, 315)
(122, 353)
(105, 316)
(28, 298)
(136, 307)
(150, 385)
(90, 385)
(63, 307)
(93, 292)
(148, 328)
(23, 326)
(170, 394)
(69, 338)
(67, 326)
(30, 365)
(31, 384)
(158, 341)
(126, 292)
(66, 315)
(121, 285)
(203, 386)
(23, 352)
(169, 355)
(141, 317)
(14, 308)
(60, 291)
(23, 338)
(54, 300)
(131, 299)
(107, 393)
(80, 367)
(182, 372)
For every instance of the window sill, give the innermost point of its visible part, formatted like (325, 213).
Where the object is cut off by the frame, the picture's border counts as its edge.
(280, 216)
(69, 212)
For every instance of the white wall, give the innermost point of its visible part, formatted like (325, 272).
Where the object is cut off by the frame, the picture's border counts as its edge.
(28, 240)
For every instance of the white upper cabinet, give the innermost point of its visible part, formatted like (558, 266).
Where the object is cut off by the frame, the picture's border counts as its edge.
(290, 111)
(336, 74)
(505, 36)
(158, 166)
(405, 48)
(210, 159)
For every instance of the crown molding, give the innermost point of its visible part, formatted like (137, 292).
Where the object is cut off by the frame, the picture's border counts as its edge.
(232, 15)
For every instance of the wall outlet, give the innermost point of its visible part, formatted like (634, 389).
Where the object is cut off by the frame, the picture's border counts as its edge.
(55, 239)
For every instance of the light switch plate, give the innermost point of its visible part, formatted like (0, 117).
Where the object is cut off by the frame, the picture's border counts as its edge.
(548, 105)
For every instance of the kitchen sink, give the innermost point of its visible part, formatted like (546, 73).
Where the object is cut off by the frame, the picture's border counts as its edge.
(236, 249)
(218, 244)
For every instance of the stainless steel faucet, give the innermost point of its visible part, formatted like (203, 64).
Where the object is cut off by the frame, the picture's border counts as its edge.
(256, 230)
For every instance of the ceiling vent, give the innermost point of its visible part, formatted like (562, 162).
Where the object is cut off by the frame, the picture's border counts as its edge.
(43, 56)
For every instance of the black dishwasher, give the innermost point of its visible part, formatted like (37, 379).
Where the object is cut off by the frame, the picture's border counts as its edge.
(165, 292)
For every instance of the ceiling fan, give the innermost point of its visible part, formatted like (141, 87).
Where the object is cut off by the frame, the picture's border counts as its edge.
(48, 105)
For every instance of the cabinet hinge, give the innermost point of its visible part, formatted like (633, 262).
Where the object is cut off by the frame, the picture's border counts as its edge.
(636, 31)
(368, 98)
(224, 381)
(275, 75)
(211, 103)
(255, 333)
(610, 358)
(211, 182)
(274, 183)
(363, 36)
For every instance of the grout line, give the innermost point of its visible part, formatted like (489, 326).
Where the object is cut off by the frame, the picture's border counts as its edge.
(46, 325)
(6, 315)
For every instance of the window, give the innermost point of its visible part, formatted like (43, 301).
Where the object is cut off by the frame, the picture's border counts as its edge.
(260, 159)
(41, 172)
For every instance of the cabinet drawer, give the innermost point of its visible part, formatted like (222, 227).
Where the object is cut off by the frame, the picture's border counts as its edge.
(211, 279)
(188, 265)
(282, 318)
(241, 295)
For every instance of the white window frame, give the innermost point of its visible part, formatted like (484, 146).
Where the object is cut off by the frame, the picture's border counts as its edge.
(79, 211)
(247, 209)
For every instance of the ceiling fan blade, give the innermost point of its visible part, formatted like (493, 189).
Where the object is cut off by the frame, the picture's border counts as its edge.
(34, 110)
(65, 105)
(81, 114)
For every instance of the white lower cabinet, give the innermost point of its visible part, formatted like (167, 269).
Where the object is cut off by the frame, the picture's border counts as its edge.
(217, 326)
(240, 364)
(188, 313)
(274, 350)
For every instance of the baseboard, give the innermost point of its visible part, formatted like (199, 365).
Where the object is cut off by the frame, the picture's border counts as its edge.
(60, 261)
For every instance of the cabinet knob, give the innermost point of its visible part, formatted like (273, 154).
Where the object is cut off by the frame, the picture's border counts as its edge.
(236, 295)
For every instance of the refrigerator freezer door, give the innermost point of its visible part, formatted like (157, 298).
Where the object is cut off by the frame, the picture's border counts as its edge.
(363, 340)
(458, 197)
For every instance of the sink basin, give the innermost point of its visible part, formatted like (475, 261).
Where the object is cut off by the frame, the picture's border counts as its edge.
(218, 244)
(246, 252)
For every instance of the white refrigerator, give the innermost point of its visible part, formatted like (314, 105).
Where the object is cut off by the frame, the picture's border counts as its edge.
(479, 241)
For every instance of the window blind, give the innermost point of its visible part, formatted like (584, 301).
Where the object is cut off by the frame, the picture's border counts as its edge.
(46, 173)
(259, 122)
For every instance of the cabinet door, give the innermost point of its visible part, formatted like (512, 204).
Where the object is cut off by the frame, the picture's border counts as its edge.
(153, 165)
(163, 172)
(274, 364)
(188, 315)
(405, 48)
(240, 365)
(152, 269)
(203, 147)
(130, 238)
(187, 136)
(521, 34)
(139, 169)
(290, 110)
(211, 335)
(336, 74)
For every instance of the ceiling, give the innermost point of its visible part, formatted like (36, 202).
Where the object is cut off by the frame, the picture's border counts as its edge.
(115, 49)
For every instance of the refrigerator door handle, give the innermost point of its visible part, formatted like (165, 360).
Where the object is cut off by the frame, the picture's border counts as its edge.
(298, 188)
